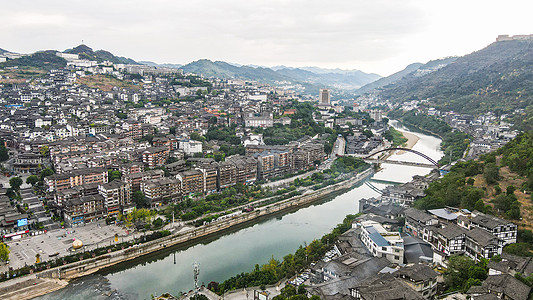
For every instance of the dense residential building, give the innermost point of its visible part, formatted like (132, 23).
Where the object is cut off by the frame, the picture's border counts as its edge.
(117, 197)
(176, 167)
(502, 286)
(84, 210)
(192, 182)
(265, 165)
(210, 174)
(451, 239)
(420, 224)
(159, 191)
(451, 232)
(388, 288)
(130, 168)
(420, 277)
(75, 193)
(28, 162)
(135, 179)
(246, 169)
(227, 175)
(155, 156)
(482, 244)
(58, 182)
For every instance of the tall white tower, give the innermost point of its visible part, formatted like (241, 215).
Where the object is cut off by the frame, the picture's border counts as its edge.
(324, 97)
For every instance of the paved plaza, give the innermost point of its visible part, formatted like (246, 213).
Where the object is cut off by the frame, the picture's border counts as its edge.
(93, 235)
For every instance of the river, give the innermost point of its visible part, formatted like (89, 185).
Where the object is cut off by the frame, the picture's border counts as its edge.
(238, 251)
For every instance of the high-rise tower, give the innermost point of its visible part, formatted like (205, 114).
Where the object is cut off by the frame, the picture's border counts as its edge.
(324, 97)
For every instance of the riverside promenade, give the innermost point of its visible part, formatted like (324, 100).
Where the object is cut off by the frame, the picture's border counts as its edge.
(61, 275)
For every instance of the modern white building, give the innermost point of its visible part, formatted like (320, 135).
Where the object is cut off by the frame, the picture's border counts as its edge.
(324, 97)
(190, 146)
(382, 243)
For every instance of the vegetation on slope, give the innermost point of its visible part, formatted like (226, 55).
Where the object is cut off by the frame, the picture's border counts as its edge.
(44, 59)
(498, 79)
(484, 185)
(85, 52)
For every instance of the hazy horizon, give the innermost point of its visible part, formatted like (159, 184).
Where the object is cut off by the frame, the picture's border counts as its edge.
(381, 37)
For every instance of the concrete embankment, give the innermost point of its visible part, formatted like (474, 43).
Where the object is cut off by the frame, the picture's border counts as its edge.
(89, 266)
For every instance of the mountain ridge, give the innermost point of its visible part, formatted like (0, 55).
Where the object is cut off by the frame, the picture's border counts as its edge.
(497, 78)
(349, 80)
(86, 52)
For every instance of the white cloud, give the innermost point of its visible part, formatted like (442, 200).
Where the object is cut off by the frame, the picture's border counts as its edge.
(380, 36)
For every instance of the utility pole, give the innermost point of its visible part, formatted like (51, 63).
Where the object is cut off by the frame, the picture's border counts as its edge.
(451, 152)
(196, 270)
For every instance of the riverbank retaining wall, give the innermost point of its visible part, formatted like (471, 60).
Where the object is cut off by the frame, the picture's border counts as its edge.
(88, 266)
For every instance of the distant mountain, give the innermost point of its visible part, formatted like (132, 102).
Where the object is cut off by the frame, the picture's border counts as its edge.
(153, 64)
(42, 59)
(222, 69)
(498, 78)
(85, 52)
(340, 79)
(413, 70)
(389, 79)
(2, 51)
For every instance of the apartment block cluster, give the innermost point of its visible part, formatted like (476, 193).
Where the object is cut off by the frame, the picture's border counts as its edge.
(82, 190)
(82, 132)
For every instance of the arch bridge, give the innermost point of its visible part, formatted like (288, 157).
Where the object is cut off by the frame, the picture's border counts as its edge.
(434, 164)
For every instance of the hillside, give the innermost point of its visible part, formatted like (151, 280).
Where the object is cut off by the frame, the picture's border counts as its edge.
(2, 51)
(106, 83)
(498, 78)
(312, 77)
(42, 59)
(86, 52)
(389, 79)
(500, 183)
(414, 70)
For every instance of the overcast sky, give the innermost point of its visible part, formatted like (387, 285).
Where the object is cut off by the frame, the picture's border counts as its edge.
(379, 36)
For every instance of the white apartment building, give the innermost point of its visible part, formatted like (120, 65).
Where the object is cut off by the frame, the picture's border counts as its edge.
(190, 146)
(382, 243)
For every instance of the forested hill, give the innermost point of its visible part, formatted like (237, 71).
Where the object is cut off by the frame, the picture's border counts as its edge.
(498, 78)
(42, 59)
(498, 183)
(85, 52)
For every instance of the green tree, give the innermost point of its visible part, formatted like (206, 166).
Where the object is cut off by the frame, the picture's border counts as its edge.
(510, 190)
(32, 179)
(139, 199)
(46, 172)
(457, 272)
(44, 150)
(491, 173)
(112, 175)
(4, 252)
(15, 183)
(4, 153)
